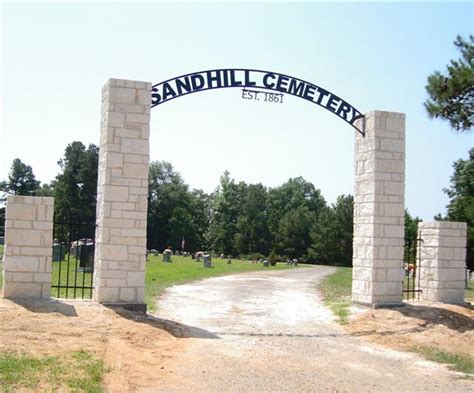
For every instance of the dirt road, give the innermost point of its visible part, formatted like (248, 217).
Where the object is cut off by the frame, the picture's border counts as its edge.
(256, 332)
(269, 331)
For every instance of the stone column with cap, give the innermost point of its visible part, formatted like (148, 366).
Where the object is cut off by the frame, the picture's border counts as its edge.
(122, 191)
(379, 211)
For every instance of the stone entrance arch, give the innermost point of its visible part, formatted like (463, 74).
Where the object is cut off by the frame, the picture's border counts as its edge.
(120, 257)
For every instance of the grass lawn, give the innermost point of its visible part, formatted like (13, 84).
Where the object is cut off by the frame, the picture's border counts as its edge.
(1, 265)
(336, 290)
(79, 371)
(70, 276)
(456, 361)
(470, 291)
(160, 275)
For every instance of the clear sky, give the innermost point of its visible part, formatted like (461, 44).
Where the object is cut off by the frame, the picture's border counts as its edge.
(57, 56)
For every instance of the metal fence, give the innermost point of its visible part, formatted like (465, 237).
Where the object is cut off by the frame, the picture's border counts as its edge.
(412, 269)
(73, 257)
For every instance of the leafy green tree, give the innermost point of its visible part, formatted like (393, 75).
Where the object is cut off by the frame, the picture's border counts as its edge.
(411, 236)
(174, 212)
(451, 96)
(45, 190)
(293, 208)
(322, 238)
(292, 238)
(332, 234)
(253, 235)
(21, 180)
(200, 202)
(461, 204)
(273, 258)
(75, 188)
(226, 207)
(411, 225)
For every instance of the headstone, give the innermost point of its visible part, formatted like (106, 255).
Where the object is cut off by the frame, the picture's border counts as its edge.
(59, 251)
(167, 255)
(74, 250)
(207, 260)
(266, 263)
(86, 257)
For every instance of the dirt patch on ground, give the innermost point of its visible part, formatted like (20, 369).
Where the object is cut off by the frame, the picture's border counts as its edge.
(133, 345)
(442, 326)
(146, 353)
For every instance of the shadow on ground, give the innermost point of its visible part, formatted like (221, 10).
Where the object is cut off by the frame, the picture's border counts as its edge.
(176, 329)
(47, 306)
(429, 316)
(440, 316)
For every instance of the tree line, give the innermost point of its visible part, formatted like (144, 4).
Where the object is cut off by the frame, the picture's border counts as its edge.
(248, 220)
(238, 219)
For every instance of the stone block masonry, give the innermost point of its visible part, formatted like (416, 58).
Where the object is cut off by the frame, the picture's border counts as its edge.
(27, 259)
(122, 191)
(379, 196)
(442, 261)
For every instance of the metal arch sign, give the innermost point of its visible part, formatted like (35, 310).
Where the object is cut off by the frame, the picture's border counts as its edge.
(257, 79)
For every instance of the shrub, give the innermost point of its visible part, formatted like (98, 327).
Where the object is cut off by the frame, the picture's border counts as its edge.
(273, 258)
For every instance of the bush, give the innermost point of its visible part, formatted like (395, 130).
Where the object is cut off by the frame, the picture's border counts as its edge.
(273, 258)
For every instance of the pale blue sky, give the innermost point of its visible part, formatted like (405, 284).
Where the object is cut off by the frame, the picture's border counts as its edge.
(57, 56)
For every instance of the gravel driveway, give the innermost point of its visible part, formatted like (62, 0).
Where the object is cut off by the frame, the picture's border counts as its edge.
(268, 331)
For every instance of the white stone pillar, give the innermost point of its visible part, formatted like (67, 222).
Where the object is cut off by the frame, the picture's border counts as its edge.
(442, 261)
(122, 191)
(28, 247)
(379, 212)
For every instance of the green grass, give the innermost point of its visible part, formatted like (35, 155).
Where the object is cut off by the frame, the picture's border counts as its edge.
(79, 372)
(469, 294)
(411, 283)
(161, 275)
(1, 265)
(457, 361)
(70, 277)
(336, 290)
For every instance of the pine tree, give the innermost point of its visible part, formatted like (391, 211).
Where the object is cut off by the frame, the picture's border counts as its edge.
(461, 204)
(21, 180)
(451, 96)
(75, 188)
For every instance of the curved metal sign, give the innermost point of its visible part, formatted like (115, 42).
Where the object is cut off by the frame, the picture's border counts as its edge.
(256, 79)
